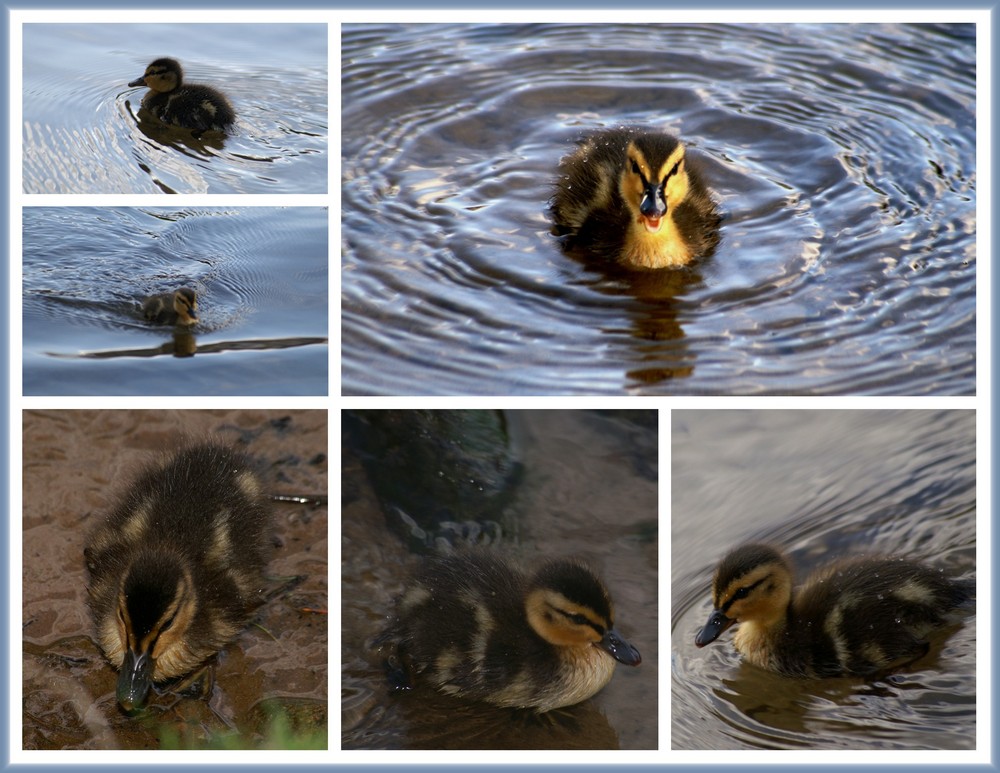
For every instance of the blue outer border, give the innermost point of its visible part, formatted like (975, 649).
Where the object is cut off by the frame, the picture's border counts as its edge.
(5, 346)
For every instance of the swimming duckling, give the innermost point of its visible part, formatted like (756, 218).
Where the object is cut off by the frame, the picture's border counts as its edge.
(188, 105)
(177, 308)
(631, 195)
(475, 627)
(175, 569)
(860, 616)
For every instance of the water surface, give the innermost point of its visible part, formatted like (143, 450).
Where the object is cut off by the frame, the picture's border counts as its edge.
(81, 132)
(260, 274)
(822, 485)
(843, 158)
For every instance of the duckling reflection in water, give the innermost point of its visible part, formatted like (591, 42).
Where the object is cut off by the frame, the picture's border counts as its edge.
(632, 196)
(177, 308)
(188, 105)
(860, 616)
(474, 626)
(176, 568)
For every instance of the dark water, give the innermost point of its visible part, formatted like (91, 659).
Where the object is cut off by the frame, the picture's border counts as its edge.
(261, 278)
(81, 133)
(823, 485)
(588, 490)
(843, 157)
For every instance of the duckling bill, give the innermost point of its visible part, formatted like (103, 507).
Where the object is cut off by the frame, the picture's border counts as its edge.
(176, 567)
(632, 196)
(474, 626)
(177, 308)
(188, 105)
(859, 616)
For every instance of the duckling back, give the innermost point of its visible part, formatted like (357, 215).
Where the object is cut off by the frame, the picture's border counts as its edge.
(631, 196)
(176, 567)
(188, 105)
(876, 613)
(469, 625)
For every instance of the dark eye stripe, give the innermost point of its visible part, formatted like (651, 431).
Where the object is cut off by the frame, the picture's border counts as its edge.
(578, 619)
(742, 593)
(638, 171)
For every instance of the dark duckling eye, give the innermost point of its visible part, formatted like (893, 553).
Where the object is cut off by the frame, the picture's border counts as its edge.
(168, 622)
(579, 619)
(635, 169)
(742, 593)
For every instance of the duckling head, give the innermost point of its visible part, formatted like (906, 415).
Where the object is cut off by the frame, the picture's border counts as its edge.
(186, 306)
(162, 75)
(752, 586)
(654, 179)
(156, 608)
(569, 607)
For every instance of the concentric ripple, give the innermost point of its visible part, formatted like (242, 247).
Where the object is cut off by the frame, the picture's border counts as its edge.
(842, 156)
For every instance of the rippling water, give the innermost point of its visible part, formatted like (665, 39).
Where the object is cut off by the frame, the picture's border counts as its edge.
(261, 278)
(81, 134)
(822, 484)
(843, 157)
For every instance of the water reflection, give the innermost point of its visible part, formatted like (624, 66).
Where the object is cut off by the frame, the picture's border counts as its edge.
(259, 274)
(849, 210)
(822, 485)
(87, 134)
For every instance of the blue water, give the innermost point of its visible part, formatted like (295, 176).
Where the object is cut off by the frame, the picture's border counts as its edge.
(843, 158)
(81, 133)
(261, 278)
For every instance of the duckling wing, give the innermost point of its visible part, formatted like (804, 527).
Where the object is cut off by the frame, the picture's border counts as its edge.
(872, 614)
(199, 108)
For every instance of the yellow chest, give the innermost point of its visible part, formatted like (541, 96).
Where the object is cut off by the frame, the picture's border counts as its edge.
(664, 249)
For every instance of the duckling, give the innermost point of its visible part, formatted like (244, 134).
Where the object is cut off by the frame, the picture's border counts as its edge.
(632, 196)
(474, 626)
(859, 616)
(188, 105)
(177, 308)
(176, 567)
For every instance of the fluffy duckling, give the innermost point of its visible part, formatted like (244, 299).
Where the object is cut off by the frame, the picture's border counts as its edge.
(177, 308)
(473, 626)
(188, 105)
(631, 195)
(175, 569)
(860, 616)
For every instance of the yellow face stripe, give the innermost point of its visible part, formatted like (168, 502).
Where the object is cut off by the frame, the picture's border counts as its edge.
(673, 163)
